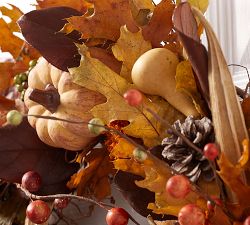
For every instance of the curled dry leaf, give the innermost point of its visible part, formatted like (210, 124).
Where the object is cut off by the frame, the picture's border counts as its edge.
(228, 119)
(128, 48)
(105, 22)
(93, 180)
(96, 76)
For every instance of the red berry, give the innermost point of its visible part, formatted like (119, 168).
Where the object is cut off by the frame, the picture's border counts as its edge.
(247, 221)
(117, 216)
(211, 151)
(178, 186)
(31, 181)
(61, 203)
(133, 97)
(210, 206)
(191, 214)
(38, 212)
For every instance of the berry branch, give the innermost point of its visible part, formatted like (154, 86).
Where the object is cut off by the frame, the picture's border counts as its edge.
(70, 196)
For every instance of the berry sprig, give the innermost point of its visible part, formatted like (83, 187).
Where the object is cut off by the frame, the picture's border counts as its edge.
(21, 80)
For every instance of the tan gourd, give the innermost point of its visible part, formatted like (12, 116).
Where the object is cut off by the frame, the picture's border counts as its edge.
(51, 92)
(154, 73)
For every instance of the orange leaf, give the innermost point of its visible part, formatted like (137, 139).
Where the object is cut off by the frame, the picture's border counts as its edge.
(6, 104)
(79, 5)
(8, 41)
(6, 74)
(14, 14)
(105, 22)
(93, 180)
(231, 176)
(160, 25)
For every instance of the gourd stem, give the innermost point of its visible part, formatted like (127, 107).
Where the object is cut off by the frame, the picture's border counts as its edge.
(49, 97)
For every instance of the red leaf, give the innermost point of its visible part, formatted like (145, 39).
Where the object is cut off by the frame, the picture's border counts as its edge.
(21, 150)
(186, 27)
(40, 29)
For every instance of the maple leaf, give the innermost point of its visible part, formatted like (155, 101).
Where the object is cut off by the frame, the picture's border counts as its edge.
(95, 75)
(185, 82)
(128, 48)
(105, 22)
(160, 25)
(80, 5)
(14, 14)
(200, 4)
(93, 180)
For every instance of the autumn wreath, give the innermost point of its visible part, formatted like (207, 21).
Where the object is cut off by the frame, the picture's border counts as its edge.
(123, 92)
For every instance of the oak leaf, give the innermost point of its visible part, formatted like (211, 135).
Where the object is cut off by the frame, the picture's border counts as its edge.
(156, 173)
(14, 14)
(160, 25)
(93, 180)
(94, 75)
(8, 41)
(105, 22)
(128, 48)
(79, 5)
(185, 82)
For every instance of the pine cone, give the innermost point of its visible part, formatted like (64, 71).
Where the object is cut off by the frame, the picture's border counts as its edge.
(184, 159)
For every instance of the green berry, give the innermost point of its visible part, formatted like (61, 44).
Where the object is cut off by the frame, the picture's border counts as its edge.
(139, 155)
(19, 87)
(22, 95)
(17, 79)
(96, 126)
(25, 85)
(32, 63)
(14, 117)
(23, 76)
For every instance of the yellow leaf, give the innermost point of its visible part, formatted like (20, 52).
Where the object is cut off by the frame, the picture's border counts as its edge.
(144, 4)
(129, 47)
(96, 76)
(185, 82)
(200, 4)
(93, 180)
(14, 14)
(155, 181)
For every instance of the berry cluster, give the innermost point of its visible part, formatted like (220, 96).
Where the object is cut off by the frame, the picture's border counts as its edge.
(21, 80)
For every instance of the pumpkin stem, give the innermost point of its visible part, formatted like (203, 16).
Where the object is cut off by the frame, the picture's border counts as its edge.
(49, 98)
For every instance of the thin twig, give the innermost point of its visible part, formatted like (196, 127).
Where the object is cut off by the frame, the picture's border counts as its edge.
(176, 132)
(70, 196)
(151, 220)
